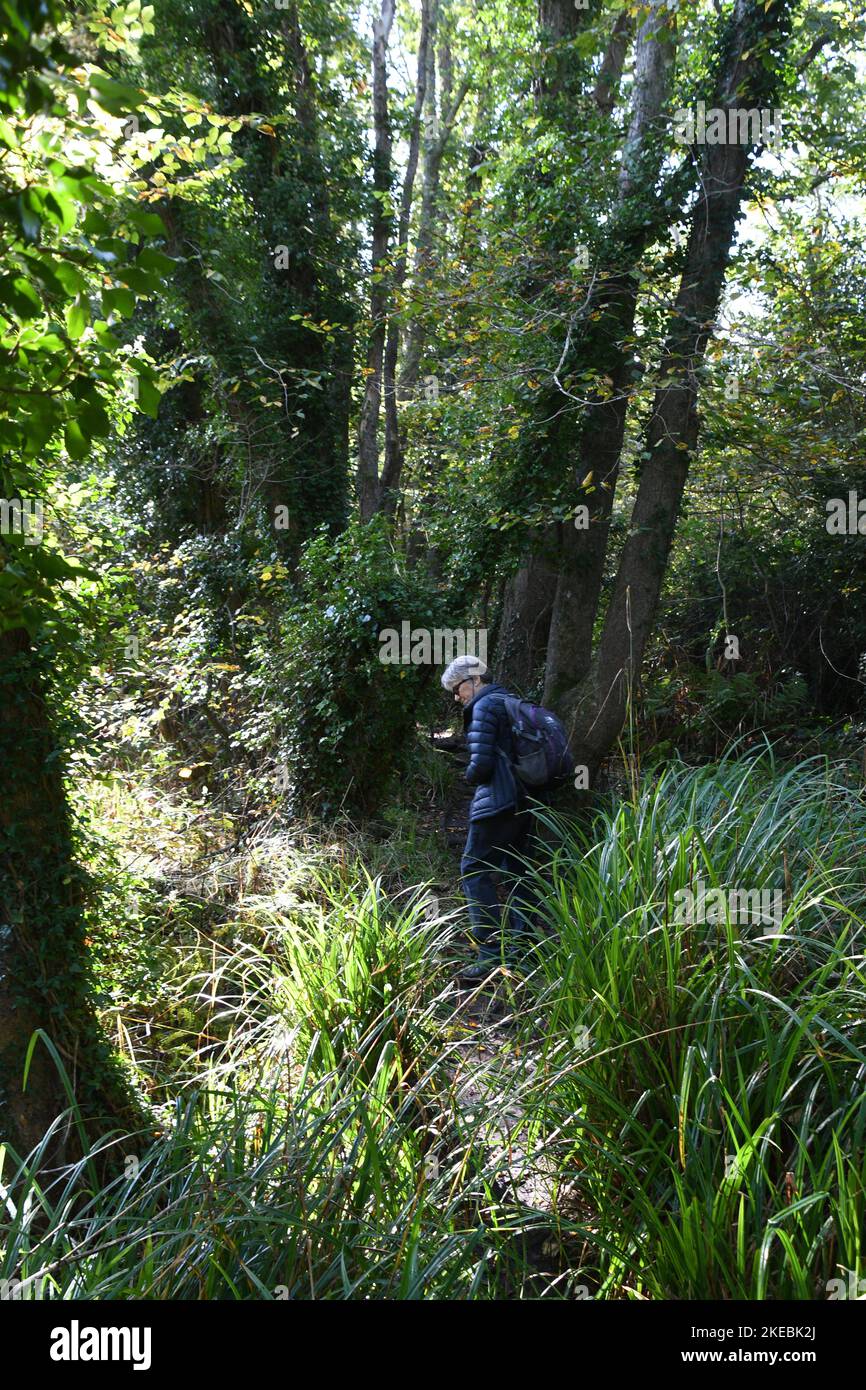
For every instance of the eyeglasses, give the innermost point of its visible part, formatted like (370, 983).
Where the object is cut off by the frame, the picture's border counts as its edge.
(457, 687)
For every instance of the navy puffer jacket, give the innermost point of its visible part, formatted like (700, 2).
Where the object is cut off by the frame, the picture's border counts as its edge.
(488, 733)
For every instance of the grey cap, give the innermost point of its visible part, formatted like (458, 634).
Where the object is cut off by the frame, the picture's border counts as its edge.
(463, 668)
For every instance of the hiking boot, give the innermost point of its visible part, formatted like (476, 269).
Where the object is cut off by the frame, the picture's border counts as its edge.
(479, 971)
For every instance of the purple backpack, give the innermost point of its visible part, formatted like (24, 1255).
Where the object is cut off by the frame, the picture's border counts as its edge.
(541, 753)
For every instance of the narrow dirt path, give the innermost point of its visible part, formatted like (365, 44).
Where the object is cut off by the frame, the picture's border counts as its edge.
(497, 1058)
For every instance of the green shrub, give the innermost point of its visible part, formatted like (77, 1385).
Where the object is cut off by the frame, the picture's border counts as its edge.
(347, 718)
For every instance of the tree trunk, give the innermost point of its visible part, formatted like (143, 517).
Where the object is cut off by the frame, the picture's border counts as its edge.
(599, 445)
(596, 709)
(382, 493)
(437, 135)
(610, 72)
(368, 430)
(306, 472)
(393, 467)
(521, 642)
(566, 625)
(44, 980)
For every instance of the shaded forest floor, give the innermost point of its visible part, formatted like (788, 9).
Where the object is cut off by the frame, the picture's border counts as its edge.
(654, 1107)
(192, 879)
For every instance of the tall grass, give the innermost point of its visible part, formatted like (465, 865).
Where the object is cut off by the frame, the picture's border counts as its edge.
(714, 1116)
(321, 1152)
(670, 1109)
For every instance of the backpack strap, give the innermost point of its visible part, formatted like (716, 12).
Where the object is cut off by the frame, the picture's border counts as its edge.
(507, 702)
(512, 705)
(512, 709)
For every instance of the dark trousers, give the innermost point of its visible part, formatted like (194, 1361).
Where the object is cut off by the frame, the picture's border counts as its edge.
(498, 844)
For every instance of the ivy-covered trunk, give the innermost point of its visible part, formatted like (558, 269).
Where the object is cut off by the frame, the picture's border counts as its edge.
(44, 974)
(587, 443)
(595, 700)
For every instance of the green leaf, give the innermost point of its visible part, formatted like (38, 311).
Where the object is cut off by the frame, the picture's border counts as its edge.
(41, 269)
(27, 207)
(48, 342)
(20, 296)
(109, 250)
(61, 210)
(148, 397)
(78, 184)
(148, 222)
(77, 317)
(93, 419)
(77, 445)
(117, 98)
(156, 261)
(105, 337)
(52, 565)
(96, 223)
(141, 281)
(118, 301)
(70, 278)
